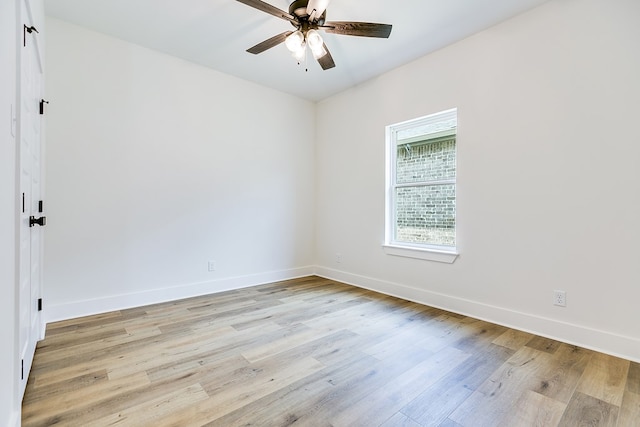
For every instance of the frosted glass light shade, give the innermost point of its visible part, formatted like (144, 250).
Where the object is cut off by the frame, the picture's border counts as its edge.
(295, 41)
(314, 39)
(301, 53)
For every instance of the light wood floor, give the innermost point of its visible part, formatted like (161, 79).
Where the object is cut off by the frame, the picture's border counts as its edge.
(313, 352)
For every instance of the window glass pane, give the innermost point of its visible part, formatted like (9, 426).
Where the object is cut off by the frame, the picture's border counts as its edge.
(426, 215)
(426, 161)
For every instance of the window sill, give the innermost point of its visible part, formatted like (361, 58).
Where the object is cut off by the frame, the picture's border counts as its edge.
(437, 255)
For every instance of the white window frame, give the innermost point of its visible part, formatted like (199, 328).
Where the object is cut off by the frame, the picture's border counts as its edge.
(429, 124)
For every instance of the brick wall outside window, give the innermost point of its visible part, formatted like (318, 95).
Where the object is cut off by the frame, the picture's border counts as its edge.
(426, 214)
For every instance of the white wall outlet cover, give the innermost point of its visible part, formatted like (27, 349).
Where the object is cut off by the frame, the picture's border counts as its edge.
(560, 298)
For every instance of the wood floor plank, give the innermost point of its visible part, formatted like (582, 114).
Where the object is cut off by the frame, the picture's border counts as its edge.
(361, 316)
(445, 329)
(348, 387)
(64, 341)
(97, 406)
(495, 398)
(226, 346)
(315, 352)
(388, 348)
(478, 368)
(379, 406)
(102, 348)
(148, 358)
(64, 387)
(584, 410)
(287, 342)
(203, 366)
(544, 344)
(72, 325)
(400, 420)
(80, 398)
(630, 410)
(633, 378)
(534, 409)
(513, 339)
(205, 321)
(61, 355)
(130, 362)
(319, 310)
(239, 389)
(318, 295)
(478, 336)
(155, 411)
(100, 321)
(559, 378)
(300, 400)
(434, 406)
(273, 314)
(605, 378)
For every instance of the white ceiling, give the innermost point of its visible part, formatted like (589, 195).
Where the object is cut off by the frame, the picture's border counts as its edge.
(216, 33)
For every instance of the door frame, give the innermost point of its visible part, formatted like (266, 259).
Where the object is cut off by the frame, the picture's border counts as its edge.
(29, 13)
(9, 401)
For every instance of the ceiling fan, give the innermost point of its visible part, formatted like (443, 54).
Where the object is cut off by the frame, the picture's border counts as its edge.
(308, 16)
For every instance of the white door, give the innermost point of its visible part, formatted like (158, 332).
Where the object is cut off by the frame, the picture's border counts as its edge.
(30, 181)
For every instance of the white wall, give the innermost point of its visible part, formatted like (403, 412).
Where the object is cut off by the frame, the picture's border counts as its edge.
(156, 166)
(9, 406)
(548, 180)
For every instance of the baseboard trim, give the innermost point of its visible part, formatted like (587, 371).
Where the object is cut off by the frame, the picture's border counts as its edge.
(594, 339)
(82, 308)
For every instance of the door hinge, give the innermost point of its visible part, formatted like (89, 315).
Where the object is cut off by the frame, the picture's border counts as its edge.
(39, 304)
(22, 369)
(40, 206)
(42, 102)
(22, 202)
(26, 30)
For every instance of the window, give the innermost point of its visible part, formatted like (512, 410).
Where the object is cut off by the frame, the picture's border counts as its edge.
(421, 188)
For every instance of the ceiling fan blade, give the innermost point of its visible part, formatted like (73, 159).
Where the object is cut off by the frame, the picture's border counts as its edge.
(362, 29)
(272, 10)
(326, 61)
(269, 43)
(318, 5)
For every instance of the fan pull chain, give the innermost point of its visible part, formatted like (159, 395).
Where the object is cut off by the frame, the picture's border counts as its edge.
(306, 63)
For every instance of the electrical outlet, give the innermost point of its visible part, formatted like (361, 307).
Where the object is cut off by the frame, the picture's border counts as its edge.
(560, 298)
(212, 266)
(338, 257)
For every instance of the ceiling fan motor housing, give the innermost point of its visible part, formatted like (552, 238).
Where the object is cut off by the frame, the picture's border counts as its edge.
(298, 8)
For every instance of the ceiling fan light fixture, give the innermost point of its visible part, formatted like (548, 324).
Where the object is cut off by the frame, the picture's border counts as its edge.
(301, 53)
(295, 42)
(314, 39)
